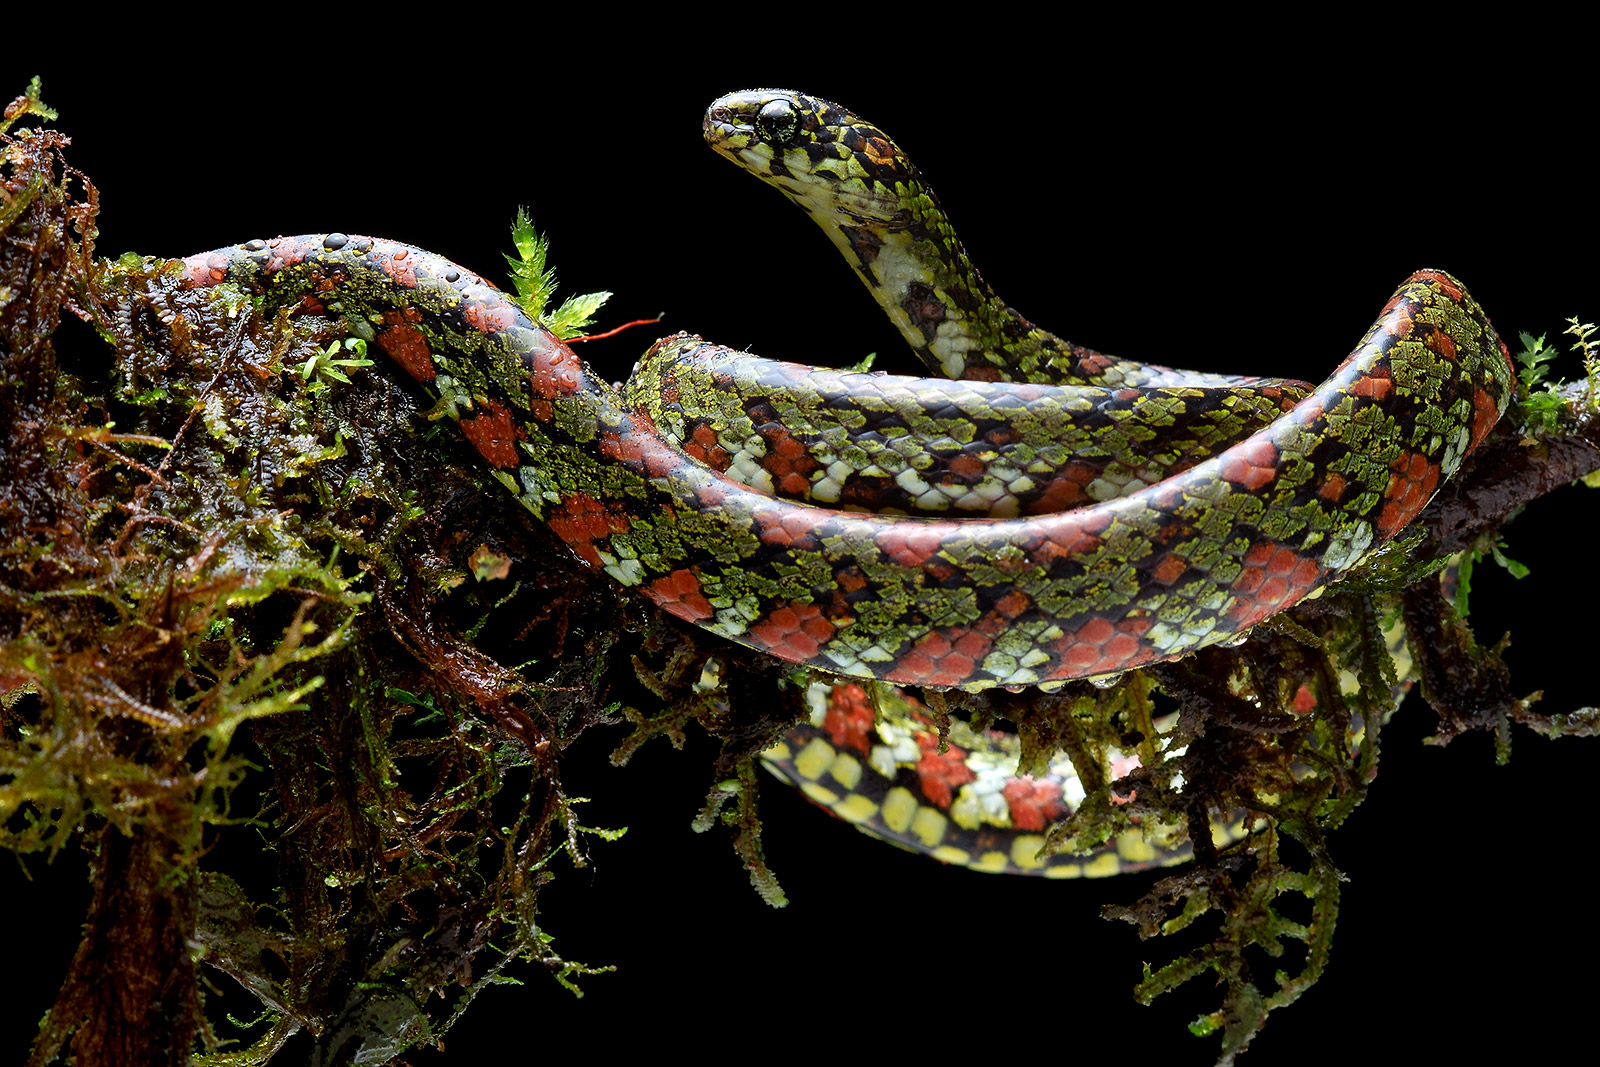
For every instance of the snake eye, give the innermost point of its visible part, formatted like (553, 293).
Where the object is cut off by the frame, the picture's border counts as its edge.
(777, 121)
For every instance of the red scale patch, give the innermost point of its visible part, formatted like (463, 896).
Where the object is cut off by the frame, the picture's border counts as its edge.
(679, 594)
(795, 632)
(556, 370)
(794, 486)
(786, 527)
(850, 579)
(1445, 283)
(1100, 647)
(494, 433)
(1065, 490)
(787, 461)
(1274, 577)
(582, 521)
(1034, 805)
(942, 773)
(1170, 569)
(1091, 363)
(1412, 480)
(1064, 539)
(406, 345)
(287, 251)
(1485, 413)
(1251, 464)
(786, 447)
(401, 268)
(702, 444)
(1124, 647)
(910, 544)
(968, 467)
(1402, 321)
(493, 317)
(638, 446)
(1307, 411)
(1443, 344)
(1375, 385)
(849, 719)
(1013, 604)
(943, 657)
(201, 271)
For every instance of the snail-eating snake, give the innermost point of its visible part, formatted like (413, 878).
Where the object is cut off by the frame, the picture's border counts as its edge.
(1125, 550)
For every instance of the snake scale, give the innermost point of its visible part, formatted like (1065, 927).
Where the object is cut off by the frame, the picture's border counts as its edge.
(1054, 514)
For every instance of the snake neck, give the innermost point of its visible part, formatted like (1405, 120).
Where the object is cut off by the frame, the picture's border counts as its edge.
(878, 211)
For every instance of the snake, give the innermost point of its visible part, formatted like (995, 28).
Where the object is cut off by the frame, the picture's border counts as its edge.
(1044, 513)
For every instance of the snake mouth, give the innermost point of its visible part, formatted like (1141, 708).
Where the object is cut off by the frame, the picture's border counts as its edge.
(717, 126)
(738, 142)
(729, 125)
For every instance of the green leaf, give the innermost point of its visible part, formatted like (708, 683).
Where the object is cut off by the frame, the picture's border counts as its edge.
(535, 283)
(1590, 350)
(1516, 570)
(1464, 583)
(324, 364)
(865, 363)
(1542, 407)
(575, 314)
(31, 105)
(1535, 358)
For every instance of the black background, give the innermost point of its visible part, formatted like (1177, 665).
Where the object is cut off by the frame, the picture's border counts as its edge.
(1199, 206)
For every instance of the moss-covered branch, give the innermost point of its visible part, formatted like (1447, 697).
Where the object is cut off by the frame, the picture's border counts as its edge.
(248, 593)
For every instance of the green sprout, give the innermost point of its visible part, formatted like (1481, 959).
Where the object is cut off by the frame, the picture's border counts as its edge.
(536, 284)
(325, 365)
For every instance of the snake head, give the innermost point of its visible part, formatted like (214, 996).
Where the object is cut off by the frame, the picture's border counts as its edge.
(824, 157)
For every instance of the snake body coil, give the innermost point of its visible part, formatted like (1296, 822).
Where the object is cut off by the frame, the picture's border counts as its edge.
(1196, 551)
